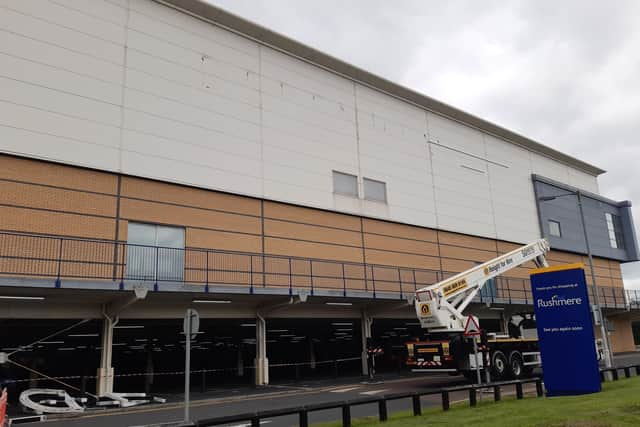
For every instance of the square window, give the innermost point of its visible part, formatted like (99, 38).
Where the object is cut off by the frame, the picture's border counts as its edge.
(155, 252)
(375, 190)
(554, 229)
(346, 184)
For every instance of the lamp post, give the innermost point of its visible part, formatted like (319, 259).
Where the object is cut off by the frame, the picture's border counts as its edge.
(598, 308)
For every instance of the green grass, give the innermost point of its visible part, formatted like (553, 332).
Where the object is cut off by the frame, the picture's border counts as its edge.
(617, 405)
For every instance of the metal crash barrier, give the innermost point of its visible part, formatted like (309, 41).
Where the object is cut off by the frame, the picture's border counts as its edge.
(255, 418)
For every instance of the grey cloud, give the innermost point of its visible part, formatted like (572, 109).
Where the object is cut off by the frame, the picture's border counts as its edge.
(564, 73)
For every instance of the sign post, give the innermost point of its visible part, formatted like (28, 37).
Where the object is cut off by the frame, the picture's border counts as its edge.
(472, 329)
(190, 328)
(565, 330)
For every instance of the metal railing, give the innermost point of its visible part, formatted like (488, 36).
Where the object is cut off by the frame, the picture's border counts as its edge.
(255, 418)
(64, 258)
(381, 401)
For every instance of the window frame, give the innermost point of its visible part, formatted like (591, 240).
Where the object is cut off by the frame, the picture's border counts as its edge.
(155, 261)
(376, 181)
(614, 230)
(553, 221)
(334, 174)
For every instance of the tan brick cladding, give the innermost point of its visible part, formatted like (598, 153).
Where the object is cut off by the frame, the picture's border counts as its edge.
(34, 171)
(40, 197)
(187, 196)
(53, 199)
(55, 223)
(161, 213)
(622, 338)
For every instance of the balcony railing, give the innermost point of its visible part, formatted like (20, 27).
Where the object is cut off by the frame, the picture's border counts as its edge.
(63, 258)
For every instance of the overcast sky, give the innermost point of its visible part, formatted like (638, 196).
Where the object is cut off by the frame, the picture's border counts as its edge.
(566, 73)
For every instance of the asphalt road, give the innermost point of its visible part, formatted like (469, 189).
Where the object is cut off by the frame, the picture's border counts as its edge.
(282, 396)
(274, 397)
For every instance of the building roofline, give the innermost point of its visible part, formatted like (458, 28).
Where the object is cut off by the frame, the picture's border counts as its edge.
(589, 194)
(246, 28)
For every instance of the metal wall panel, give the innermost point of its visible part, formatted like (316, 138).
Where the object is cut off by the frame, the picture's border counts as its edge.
(191, 103)
(565, 210)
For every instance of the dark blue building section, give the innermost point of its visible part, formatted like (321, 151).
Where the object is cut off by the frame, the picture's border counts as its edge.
(609, 223)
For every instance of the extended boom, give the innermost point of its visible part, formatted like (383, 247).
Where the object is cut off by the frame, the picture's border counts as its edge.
(439, 307)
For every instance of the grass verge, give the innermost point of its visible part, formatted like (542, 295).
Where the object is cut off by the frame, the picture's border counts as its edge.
(617, 405)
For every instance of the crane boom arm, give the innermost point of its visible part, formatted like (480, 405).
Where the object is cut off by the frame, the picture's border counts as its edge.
(440, 306)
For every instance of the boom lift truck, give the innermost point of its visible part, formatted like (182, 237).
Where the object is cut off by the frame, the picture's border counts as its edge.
(439, 308)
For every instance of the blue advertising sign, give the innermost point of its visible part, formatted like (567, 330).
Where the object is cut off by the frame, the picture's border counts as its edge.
(565, 330)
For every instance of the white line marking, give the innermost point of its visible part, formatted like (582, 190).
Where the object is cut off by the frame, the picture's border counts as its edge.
(372, 392)
(249, 425)
(343, 390)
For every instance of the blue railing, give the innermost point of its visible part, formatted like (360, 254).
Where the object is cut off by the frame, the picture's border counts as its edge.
(64, 258)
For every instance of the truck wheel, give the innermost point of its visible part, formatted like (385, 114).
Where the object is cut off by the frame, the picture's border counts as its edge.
(498, 365)
(516, 365)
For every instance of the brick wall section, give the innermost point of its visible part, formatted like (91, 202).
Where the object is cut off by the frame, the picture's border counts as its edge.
(53, 199)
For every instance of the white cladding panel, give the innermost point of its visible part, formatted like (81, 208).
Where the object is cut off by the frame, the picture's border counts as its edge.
(192, 103)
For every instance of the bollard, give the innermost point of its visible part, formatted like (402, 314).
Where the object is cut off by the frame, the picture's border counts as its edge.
(539, 389)
(603, 378)
(519, 391)
(445, 400)
(417, 409)
(627, 372)
(382, 410)
(614, 371)
(473, 397)
(346, 416)
(304, 418)
(497, 395)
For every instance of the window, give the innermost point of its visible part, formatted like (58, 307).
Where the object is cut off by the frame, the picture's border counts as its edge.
(345, 184)
(554, 228)
(155, 252)
(375, 190)
(614, 227)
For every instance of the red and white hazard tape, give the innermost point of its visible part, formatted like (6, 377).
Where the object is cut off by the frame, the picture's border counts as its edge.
(195, 371)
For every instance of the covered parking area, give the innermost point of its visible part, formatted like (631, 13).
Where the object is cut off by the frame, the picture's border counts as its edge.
(76, 335)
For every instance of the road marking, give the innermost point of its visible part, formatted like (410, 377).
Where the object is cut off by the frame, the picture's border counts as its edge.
(249, 424)
(373, 392)
(343, 390)
(290, 387)
(221, 401)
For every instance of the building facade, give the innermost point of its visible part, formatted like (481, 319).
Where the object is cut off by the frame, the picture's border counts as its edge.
(171, 146)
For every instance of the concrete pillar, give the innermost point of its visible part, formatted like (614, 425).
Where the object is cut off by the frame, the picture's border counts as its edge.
(261, 362)
(104, 382)
(148, 381)
(240, 371)
(365, 326)
(312, 355)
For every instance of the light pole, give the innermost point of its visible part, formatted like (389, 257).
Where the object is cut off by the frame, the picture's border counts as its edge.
(598, 308)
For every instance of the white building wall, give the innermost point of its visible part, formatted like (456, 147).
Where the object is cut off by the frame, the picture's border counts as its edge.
(139, 88)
